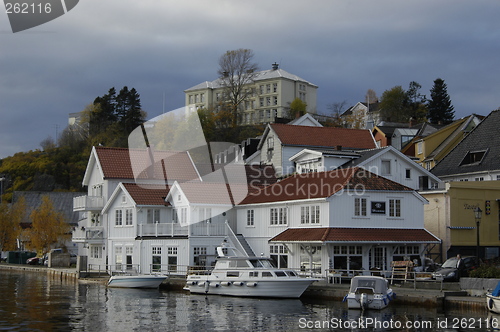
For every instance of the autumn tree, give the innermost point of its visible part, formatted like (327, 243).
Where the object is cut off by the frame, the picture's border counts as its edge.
(371, 97)
(439, 107)
(236, 71)
(48, 228)
(10, 220)
(297, 108)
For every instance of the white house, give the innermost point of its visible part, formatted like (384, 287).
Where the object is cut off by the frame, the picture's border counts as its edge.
(343, 219)
(281, 141)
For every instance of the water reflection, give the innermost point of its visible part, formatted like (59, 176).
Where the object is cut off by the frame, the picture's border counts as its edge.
(33, 302)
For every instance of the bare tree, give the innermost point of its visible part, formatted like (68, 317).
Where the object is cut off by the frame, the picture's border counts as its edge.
(236, 72)
(371, 97)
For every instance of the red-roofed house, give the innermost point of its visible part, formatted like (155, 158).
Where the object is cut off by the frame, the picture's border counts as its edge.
(110, 174)
(280, 142)
(346, 219)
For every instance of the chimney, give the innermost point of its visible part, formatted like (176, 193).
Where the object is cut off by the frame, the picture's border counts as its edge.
(275, 66)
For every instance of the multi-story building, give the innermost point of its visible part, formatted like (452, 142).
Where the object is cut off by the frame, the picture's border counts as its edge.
(270, 93)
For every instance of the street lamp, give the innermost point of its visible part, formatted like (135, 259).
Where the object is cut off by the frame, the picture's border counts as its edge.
(478, 214)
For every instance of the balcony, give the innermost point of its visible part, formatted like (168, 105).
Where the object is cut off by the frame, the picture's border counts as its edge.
(173, 229)
(88, 203)
(93, 236)
(161, 229)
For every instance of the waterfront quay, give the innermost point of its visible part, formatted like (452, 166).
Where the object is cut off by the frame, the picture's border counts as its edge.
(429, 294)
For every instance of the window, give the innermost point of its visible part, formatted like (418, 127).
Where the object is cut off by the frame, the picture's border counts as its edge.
(250, 217)
(275, 87)
(270, 142)
(408, 173)
(268, 88)
(304, 214)
(172, 258)
(156, 259)
(315, 214)
(118, 218)
(360, 207)
(309, 214)
(386, 167)
(200, 254)
(153, 216)
(279, 255)
(128, 217)
(278, 216)
(420, 147)
(118, 258)
(473, 158)
(95, 251)
(205, 214)
(395, 208)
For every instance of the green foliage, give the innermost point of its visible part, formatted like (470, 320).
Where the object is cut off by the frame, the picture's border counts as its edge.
(297, 108)
(439, 107)
(485, 271)
(398, 105)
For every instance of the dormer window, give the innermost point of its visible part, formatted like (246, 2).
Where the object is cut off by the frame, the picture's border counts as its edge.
(473, 157)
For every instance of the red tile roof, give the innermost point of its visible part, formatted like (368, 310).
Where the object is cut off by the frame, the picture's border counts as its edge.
(147, 195)
(355, 235)
(116, 164)
(324, 136)
(322, 185)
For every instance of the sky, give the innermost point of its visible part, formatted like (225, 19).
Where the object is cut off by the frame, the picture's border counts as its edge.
(162, 48)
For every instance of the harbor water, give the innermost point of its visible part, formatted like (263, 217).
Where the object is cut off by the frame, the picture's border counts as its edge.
(34, 302)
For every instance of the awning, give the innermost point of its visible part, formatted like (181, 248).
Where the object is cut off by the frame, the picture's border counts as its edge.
(355, 235)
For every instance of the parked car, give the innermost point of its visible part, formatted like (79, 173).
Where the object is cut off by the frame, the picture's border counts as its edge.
(449, 271)
(34, 261)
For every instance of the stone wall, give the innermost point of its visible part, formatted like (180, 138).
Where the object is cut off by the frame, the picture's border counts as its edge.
(478, 286)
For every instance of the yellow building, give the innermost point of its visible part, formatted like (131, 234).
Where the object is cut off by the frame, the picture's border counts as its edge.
(450, 216)
(429, 150)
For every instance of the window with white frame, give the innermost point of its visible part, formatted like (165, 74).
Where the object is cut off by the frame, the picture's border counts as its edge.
(386, 167)
(279, 216)
(200, 256)
(309, 214)
(420, 146)
(156, 259)
(250, 217)
(95, 251)
(279, 254)
(304, 214)
(360, 206)
(153, 216)
(118, 217)
(118, 257)
(275, 87)
(394, 207)
(315, 214)
(172, 258)
(205, 214)
(129, 217)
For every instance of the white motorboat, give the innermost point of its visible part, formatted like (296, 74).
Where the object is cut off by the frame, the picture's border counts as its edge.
(493, 300)
(136, 281)
(369, 292)
(240, 275)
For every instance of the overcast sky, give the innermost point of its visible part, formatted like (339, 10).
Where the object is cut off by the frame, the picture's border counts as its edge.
(163, 47)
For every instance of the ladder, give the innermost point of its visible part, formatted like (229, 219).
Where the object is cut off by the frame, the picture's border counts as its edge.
(401, 270)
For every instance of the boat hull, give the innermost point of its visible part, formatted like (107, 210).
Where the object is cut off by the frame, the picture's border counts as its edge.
(493, 303)
(152, 281)
(372, 301)
(290, 288)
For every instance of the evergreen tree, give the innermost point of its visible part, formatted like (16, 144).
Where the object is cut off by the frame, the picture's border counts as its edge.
(439, 106)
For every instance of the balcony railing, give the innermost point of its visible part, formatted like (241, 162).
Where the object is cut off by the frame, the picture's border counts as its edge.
(95, 235)
(88, 203)
(173, 229)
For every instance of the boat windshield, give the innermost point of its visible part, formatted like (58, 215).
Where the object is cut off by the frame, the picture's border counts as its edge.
(262, 263)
